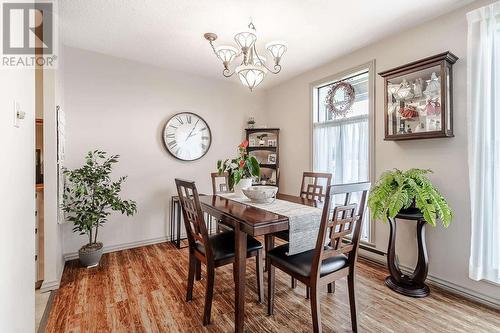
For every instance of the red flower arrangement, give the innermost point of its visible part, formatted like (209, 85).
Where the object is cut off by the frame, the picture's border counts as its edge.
(244, 166)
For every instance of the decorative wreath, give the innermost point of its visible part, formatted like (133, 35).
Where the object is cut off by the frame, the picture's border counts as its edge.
(340, 98)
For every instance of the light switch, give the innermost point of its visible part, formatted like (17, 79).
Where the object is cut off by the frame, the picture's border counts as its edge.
(18, 114)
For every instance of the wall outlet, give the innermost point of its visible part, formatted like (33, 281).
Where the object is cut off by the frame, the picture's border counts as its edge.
(18, 114)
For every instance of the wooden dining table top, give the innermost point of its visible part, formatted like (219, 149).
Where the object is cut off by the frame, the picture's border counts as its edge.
(253, 220)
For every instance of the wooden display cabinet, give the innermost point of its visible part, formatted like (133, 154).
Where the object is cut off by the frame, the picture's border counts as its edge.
(419, 99)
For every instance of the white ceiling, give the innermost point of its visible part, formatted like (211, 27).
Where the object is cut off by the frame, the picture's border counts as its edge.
(169, 33)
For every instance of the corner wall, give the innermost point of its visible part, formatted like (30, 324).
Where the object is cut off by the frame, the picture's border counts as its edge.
(121, 106)
(288, 107)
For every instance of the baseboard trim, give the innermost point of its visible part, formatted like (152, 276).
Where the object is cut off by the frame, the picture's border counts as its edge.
(453, 288)
(123, 246)
(50, 285)
(46, 312)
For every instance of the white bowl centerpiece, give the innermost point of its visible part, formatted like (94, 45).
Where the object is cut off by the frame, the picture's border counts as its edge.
(261, 194)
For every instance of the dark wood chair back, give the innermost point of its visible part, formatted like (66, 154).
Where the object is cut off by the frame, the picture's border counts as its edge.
(194, 221)
(223, 185)
(346, 219)
(311, 187)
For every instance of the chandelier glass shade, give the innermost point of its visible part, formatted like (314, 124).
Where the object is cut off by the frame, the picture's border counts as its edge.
(277, 49)
(245, 39)
(250, 75)
(252, 69)
(226, 53)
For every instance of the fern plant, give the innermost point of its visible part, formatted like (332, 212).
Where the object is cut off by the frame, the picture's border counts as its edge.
(397, 190)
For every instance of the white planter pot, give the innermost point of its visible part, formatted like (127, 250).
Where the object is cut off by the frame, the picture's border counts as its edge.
(244, 183)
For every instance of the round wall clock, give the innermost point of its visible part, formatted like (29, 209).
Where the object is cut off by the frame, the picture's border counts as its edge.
(187, 136)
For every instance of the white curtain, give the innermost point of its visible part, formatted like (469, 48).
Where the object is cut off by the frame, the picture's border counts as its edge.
(483, 120)
(341, 148)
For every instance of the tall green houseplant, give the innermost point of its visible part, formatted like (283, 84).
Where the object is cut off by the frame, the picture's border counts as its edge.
(397, 190)
(91, 195)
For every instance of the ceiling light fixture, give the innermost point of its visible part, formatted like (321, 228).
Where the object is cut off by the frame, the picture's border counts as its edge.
(252, 68)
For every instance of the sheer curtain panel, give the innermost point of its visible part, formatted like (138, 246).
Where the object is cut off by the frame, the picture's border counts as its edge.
(483, 121)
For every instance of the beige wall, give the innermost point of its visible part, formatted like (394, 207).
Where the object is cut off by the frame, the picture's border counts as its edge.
(121, 107)
(288, 107)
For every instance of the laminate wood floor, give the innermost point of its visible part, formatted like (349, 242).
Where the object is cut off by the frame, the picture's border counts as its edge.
(143, 290)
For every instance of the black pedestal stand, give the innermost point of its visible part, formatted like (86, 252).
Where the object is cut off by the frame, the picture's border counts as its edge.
(410, 285)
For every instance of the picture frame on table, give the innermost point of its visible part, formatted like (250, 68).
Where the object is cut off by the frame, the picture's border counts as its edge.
(271, 158)
(271, 142)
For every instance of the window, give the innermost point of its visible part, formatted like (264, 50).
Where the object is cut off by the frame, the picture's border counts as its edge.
(342, 145)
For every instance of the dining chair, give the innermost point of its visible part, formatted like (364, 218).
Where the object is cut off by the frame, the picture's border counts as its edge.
(326, 263)
(313, 187)
(220, 184)
(212, 250)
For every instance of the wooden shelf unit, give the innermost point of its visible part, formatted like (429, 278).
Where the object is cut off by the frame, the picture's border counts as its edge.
(263, 151)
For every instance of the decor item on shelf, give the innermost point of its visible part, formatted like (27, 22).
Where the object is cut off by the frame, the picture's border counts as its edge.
(408, 112)
(252, 143)
(418, 95)
(186, 136)
(252, 68)
(404, 92)
(240, 170)
(271, 143)
(261, 138)
(433, 86)
(340, 98)
(89, 197)
(417, 87)
(261, 194)
(397, 191)
(433, 107)
(271, 158)
(251, 122)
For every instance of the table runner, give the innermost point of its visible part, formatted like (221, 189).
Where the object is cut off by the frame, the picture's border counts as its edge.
(303, 225)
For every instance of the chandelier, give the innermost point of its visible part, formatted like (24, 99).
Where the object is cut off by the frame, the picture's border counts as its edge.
(252, 69)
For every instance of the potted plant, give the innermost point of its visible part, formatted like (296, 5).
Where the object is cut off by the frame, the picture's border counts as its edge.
(240, 169)
(398, 191)
(89, 197)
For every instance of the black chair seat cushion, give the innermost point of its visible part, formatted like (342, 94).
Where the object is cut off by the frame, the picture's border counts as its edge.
(223, 245)
(301, 263)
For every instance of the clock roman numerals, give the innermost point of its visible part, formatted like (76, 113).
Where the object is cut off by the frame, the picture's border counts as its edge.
(172, 144)
(187, 136)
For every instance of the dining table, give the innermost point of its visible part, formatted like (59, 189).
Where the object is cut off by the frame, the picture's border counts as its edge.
(247, 220)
